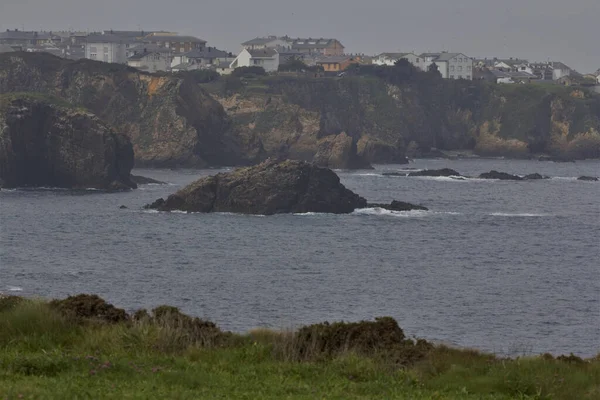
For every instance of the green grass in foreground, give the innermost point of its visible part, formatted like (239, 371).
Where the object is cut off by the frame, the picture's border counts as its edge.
(52, 352)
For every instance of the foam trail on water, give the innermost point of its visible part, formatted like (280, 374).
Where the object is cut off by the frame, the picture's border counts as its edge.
(15, 289)
(500, 214)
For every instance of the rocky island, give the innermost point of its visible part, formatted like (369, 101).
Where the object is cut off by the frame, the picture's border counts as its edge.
(271, 187)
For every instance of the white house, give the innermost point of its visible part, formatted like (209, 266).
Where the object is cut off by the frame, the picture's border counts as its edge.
(109, 48)
(559, 70)
(598, 78)
(450, 65)
(266, 58)
(269, 42)
(150, 61)
(391, 59)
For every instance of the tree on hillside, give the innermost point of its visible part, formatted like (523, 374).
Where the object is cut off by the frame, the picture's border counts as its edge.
(433, 69)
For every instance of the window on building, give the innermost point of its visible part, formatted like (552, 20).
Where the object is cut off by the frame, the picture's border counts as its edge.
(468, 76)
(93, 56)
(468, 68)
(460, 68)
(451, 76)
(105, 49)
(93, 49)
(106, 57)
(452, 68)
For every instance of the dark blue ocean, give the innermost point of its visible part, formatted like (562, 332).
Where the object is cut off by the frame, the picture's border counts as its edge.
(508, 267)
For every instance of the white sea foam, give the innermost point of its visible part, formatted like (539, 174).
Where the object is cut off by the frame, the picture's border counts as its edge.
(15, 289)
(500, 214)
(564, 178)
(369, 174)
(383, 212)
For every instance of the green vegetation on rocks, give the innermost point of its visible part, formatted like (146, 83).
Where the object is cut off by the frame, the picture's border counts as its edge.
(49, 352)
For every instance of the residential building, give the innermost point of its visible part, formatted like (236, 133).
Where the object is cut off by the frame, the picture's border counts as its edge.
(196, 59)
(224, 68)
(109, 47)
(326, 47)
(559, 70)
(265, 58)
(269, 42)
(150, 61)
(177, 43)
(391, 59)
(336, 63)
(25, 39)
(147, 48)
(450, 65)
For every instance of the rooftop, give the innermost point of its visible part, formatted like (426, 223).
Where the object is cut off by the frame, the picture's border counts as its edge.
(209, 52)
(260, 41)
(172, 38)
(320, 43)
(110, 38)
(24, 35)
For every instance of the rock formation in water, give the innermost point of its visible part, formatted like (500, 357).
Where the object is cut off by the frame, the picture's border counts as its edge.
(446, 172)
(270, 188)
(398, 206)
(46, 143)
(503, 176)
(588, 178)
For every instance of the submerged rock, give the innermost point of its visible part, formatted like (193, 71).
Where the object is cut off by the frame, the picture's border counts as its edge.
(435, 172)
(587, 178)
(47, 142)
(397, 206)
(500, 175)
(142, 180)
(268, 188)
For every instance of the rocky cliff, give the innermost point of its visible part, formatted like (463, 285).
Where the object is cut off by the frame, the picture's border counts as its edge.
(170, 121)
(347, 122)
(373, 121)
(45, 142)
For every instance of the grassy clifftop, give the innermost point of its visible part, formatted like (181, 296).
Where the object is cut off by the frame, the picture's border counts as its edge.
(82, 347)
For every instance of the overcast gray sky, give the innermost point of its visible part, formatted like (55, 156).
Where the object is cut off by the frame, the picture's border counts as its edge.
(559, 30)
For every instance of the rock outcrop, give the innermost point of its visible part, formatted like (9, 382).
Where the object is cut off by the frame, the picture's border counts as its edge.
(170, 121)
(268, 188)
(398, 206)
(446, 172)
(46, 143)
(588, 178)
(503, 176)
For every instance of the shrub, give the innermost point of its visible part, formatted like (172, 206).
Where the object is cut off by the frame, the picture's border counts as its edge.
(248, 72)
(85, 306)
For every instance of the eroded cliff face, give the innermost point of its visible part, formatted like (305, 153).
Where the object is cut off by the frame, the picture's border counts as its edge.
(303, 118)
(170, 121)
(45, 143)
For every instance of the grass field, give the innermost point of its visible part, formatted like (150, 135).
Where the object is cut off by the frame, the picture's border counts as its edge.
(82, 348)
